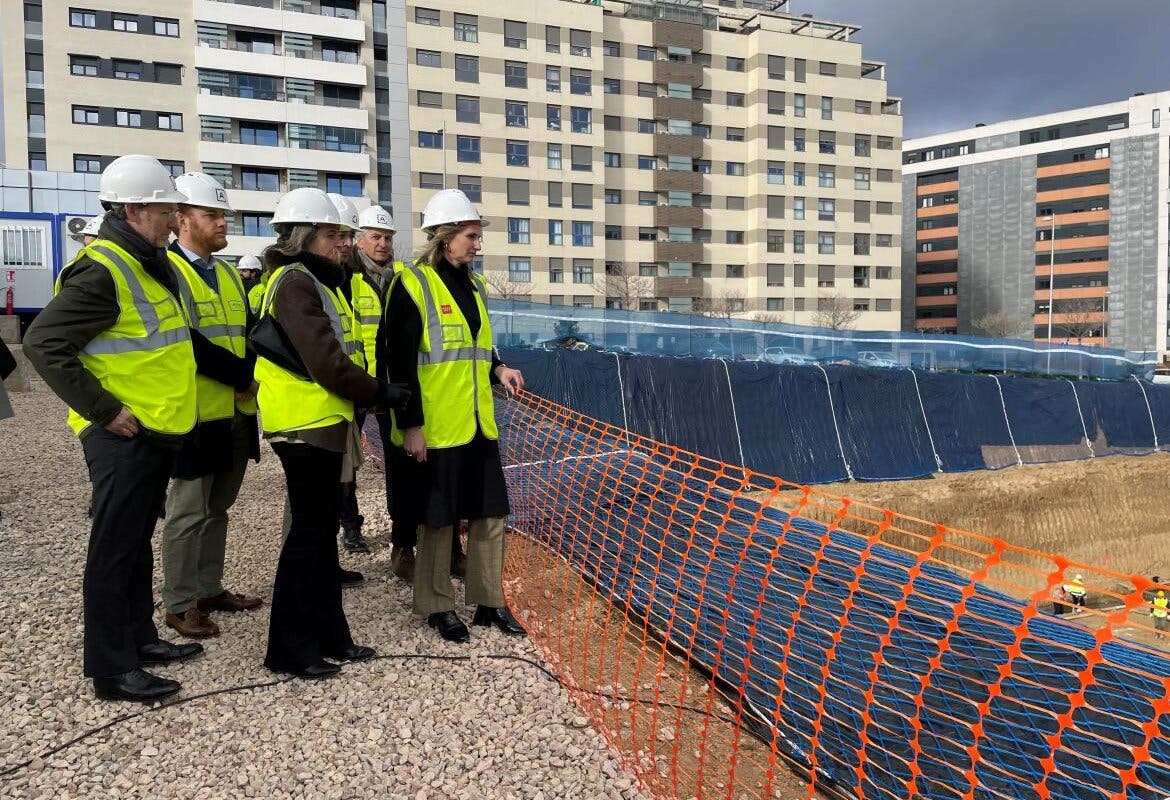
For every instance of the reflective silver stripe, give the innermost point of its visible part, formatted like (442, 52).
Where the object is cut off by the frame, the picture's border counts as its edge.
(370, 319)
(154, 339)
(457, 354)
(434, 326)
(327, 302)
(212, 331)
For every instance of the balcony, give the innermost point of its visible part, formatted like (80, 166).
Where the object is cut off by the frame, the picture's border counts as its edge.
(293, 17)
(678, 251)
(677, 180)
(669, 144)
(241, 58)
(678, 287)
(666, 71)
(264, 108)
(678, 217)
(678, 108)
(667, 33)
(297, 154)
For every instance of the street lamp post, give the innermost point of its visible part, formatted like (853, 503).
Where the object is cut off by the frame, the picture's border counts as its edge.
(443, 141)
(1051, 281)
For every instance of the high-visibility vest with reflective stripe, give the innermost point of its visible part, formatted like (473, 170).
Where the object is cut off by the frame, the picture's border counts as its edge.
(1161, 605)
(367, 305)
(1075, 589)
(65, 271)
(454, 370)
(289, 402)
(145, 358)
(223, 319)
(256, 296)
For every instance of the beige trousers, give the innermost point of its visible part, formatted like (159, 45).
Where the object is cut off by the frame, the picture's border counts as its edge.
(433, 593)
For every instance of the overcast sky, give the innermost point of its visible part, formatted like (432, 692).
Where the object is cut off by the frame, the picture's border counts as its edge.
(958, 62)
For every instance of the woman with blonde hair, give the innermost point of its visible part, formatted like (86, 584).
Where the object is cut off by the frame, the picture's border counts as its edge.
(436, 339)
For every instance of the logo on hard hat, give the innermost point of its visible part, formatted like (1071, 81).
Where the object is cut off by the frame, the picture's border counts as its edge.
(221, 195)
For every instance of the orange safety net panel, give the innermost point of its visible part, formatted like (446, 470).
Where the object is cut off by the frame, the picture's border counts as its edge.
(733, 635)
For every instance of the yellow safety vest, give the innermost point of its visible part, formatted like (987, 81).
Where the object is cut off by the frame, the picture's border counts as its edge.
(222, 318)
(1075, 589)
(65, 270)
(367, 305)
(145, 358)
(289, 402)
(1161, 606)
(454, 371)
(256, 296)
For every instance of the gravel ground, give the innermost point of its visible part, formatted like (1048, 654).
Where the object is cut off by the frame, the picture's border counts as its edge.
(401, 727)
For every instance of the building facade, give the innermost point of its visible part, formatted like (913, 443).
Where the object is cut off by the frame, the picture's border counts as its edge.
(264, 95)
(1055, 223)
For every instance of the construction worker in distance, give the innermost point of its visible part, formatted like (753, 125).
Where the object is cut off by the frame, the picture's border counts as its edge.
(250, 270)
(210, 468)
(1076, 593)
(256, 292)
(1160, 610)
(115, 345)
(437, 339)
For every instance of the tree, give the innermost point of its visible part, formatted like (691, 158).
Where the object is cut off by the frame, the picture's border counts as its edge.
(724, 305)
(503, 287)
(1082, 317)
(1002, 325)
(835, 312)
(622, 285)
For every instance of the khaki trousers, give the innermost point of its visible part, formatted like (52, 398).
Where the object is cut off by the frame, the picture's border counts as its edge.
(194, 539)
(433, 593)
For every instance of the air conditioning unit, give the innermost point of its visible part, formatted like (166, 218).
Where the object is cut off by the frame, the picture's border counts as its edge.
(74, 224)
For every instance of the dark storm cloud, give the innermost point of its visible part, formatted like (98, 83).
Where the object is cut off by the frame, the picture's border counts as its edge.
(958, 62)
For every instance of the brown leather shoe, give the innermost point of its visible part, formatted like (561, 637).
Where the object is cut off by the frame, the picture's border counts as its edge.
(193, 623)
(402, 562)
(229, 601)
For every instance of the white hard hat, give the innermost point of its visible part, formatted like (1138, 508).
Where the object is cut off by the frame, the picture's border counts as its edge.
(203, 191)
(306, 206)
(449, 206)
(346, 210)
(93, 226)
(138, 179)
(376, 217)
(249, 262)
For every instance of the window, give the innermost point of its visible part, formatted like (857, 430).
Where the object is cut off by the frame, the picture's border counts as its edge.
(609, 48)
(611, 86)
(735, 99)
(86, 66)
(580, 81)
(776, 303)
(776, 67)
(471, 186)
(430, 99)
(519, 269)
(828, 68)
(431, 140)
(582, 156)
(735, 270)
(860, 178)
(884, 273)
(826, 243)
(552, 79)
(798, 208)
(581, 119)
(826, 278)
(426, 16)
(775, 102)
(515, 34)
(166, 27)
(467, 69)
(85, 115)
(735, 168)
(556, 270)
(582, 270)
(348, 185)
(798, 139)
(430, 180)
(885, 143)
(647, 198)
(885, 175)
(613, 233)
(515, 114)
(553, 156)
(775, 245)
(798, 174)
(613, 159)
(798, 105)
(579, 42)
(612, 122)
(613, 197)
(553, 117)
(555, 194)
(87, 163)
(467, 149)
(861, 244)
(885, 208)
(646, 126)
(466, 108)
(702, 166)
(734, 64)
(826, 177)
(516, 152)
(646, 53)
(681, 91)
(519, 231)
(260, 180)
(125, 118)
(826, 210)
(556, 232)
(466, 28)
(862, 107)
(516, 74)
(583, 234)
(861, 143)
(82, 19)
(127, 70)
(125, 22)
(647, 162)
(428, 58)
(733, 237)
(170, 122)
(776, 172)
(735, 134)
(826, 108)
(884, 240)
(647, 234)
(254, 224)
(827, 144)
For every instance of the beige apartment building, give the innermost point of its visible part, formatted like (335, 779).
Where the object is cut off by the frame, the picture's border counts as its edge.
(664, 155)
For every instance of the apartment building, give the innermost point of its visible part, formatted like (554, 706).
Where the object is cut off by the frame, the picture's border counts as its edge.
(727, 157)
(265, 95)
(1053, 226)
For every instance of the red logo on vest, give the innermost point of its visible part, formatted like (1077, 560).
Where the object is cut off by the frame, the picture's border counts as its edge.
(445, 309)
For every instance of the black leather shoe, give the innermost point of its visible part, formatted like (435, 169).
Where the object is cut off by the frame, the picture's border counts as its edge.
(313, 672)
(164, 652)
(500, 617)
(355, 652)
(354, 541)
(351, 577)
(450, 627)
(137, 685)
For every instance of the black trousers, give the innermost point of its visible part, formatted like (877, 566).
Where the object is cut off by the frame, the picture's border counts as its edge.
(405, 487)
(351, 517)
(308, 620)
(129, 478)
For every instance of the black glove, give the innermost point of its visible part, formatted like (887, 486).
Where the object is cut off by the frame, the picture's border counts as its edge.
(392, 396)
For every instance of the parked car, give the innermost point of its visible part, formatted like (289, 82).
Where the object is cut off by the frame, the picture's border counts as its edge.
(785, 355)
(876, 358)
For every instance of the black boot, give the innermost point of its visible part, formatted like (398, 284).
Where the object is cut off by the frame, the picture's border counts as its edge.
(351, 535)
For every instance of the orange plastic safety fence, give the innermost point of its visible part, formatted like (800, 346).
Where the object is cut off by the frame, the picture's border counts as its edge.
(733, 635)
